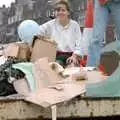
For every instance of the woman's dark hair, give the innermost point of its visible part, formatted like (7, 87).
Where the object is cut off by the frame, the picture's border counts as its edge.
(63, 2)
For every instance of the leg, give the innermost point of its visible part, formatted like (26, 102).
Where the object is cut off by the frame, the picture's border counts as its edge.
(115, 8)
(100, 22)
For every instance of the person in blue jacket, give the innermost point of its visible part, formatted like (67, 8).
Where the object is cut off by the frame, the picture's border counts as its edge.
(101, 12)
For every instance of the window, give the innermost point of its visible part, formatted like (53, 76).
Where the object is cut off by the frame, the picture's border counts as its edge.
(48, 13)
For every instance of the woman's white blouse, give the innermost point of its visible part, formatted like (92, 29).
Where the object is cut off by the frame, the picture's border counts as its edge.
(68, 38)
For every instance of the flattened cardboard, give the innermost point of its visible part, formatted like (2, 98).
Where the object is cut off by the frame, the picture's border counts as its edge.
(51, 89)
(47, 97)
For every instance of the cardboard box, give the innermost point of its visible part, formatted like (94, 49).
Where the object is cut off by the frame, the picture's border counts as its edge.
(43, 47)
(19, 50)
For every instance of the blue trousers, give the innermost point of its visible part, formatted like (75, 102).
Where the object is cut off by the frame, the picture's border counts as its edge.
(100, 22)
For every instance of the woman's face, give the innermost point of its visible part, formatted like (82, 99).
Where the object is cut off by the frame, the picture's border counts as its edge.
(61, 12)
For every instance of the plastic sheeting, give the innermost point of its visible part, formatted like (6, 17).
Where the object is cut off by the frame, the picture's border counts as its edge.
(111, 86)
(113, 46)
(107, 88)
(27, 69)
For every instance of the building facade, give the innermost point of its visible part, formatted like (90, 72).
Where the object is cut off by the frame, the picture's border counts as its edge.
(40, 11)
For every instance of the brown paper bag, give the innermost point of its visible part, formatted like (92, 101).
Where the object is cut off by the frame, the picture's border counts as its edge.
(24, 51)
(43, 47)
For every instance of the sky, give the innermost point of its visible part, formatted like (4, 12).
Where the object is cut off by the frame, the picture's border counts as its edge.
(6, 2)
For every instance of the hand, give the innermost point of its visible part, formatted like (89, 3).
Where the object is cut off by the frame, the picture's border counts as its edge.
(74, 59)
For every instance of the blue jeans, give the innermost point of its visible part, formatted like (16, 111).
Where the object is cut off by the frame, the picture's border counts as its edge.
(100, 23)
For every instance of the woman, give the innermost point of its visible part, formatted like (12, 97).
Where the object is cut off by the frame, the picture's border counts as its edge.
(66, 32)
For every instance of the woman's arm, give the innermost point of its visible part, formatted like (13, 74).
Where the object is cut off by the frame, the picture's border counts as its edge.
(45, 29)
(78, 52)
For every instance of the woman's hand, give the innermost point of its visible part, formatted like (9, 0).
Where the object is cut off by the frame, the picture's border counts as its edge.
(74, 59)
